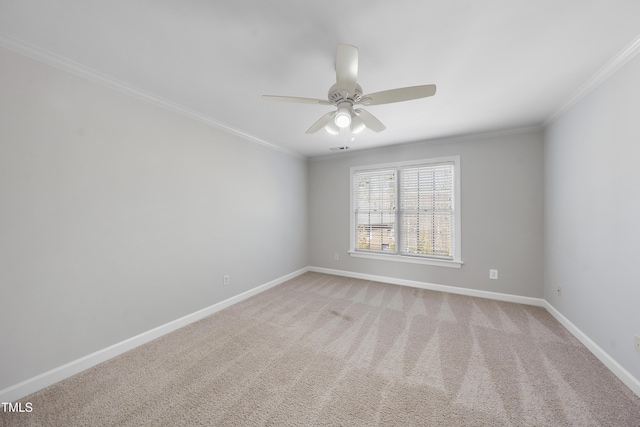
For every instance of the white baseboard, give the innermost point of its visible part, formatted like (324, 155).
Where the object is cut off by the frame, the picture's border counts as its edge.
(431, 286)
(48, 378)
(27, 387)
(629, 380)
(625, 376)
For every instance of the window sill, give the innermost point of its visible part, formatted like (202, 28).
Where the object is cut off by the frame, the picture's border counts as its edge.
(409, 259)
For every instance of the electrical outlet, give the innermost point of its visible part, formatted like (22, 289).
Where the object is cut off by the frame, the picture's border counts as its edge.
(637, 343)
(225, 279)
(493, 274)
(559, 291)
(335, 256)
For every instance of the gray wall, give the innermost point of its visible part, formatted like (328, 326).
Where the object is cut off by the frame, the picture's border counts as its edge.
(118, 216)
(501, 201)
(592, 214)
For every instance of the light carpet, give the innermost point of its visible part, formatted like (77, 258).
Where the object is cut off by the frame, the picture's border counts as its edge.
(327, 350)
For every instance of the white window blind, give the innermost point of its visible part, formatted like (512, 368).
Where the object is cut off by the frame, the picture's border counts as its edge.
(375, 210)
(427, 210)
(407, 211)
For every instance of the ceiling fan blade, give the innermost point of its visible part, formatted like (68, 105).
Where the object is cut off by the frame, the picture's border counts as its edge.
(322, 122)
(346, 68)
(295, 99)
(370, 120)
(398, 95)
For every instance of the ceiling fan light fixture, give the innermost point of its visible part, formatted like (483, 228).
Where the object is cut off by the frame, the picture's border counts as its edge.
(332, 128)
(342, 118)
(357, 125)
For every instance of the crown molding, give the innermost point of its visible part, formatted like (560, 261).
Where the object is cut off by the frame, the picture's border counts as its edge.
(603, 74)
(57, 61)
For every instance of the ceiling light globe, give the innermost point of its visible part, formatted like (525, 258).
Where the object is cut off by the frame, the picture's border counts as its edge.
(342, 118)
(357, 125)
(332, 128)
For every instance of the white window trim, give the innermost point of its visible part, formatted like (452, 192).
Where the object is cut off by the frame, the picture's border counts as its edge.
(456, 262)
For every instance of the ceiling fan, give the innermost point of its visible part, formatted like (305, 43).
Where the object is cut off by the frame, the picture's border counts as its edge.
(346, 93)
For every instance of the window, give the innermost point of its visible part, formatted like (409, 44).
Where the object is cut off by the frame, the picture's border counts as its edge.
(407, 212)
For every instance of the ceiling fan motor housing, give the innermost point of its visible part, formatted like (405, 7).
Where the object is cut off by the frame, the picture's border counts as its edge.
(336, 96)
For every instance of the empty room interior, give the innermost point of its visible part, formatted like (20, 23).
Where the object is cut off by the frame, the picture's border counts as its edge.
(320, 213)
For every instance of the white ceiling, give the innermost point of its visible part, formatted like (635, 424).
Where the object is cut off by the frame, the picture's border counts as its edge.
(498, 64)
